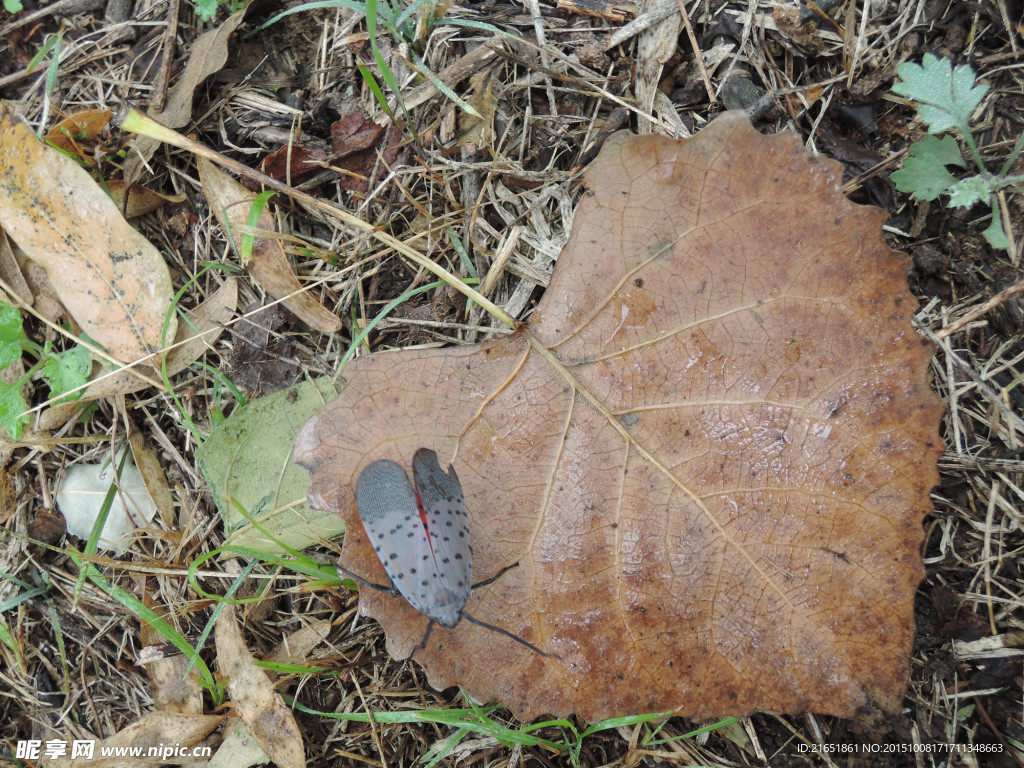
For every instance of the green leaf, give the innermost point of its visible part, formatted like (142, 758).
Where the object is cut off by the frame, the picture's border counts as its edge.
(247, 464)
(944, 151)
(924, 171)
(969, 191)
(13, 6)
(995, 234)
(11, 335)
(947, 97)
(206, 9)
(67, 370)
(12, 409)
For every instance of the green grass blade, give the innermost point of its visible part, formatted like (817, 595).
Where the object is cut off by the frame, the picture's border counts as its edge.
(147, 614)
(352, 5)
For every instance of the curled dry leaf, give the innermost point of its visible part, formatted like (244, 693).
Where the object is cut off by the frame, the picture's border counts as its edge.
(78, 133)
(266, 716)
(112, 280)
(269, 266)
(138, 200)
(710, 450)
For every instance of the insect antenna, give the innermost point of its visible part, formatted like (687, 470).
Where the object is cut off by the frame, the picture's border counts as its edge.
(495, 577)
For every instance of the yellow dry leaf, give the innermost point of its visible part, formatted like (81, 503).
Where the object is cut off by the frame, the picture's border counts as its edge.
(112, 280)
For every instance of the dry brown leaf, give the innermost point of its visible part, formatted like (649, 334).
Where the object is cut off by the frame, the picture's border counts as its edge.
(174, 689)
(77, 132)
(710, 450)
(159, 730)
(11, 274)
(269, 266)
(354, 132)
(152, 473)
(45, 300)
(112, 280)
(298, 646)
(477, 131)
(252, 694)
(207, 56)
(206, 324)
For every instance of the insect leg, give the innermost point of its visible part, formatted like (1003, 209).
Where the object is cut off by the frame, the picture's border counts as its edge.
(390, 588)
(504, 632)
(423, 642)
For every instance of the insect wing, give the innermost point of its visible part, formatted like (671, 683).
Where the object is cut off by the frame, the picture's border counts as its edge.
(391, 516)
(444, 509)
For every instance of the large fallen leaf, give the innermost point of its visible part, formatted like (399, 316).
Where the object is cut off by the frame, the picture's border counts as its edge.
(710, 450)
(268, 265)
(112, 280)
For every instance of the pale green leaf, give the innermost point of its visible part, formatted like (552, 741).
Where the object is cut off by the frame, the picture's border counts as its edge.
(947, 96)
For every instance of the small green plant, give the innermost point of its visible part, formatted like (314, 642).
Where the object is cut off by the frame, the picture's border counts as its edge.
(207, 9)
(64, 371)
(946, 98)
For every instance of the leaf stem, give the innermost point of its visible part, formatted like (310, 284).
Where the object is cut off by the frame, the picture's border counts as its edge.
(132, 120)
(968, 137)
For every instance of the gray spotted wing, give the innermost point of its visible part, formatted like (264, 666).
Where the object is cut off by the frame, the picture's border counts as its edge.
(394, 523)
(444, 510)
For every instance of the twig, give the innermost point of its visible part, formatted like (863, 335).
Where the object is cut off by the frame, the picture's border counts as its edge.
(697, 53)
(167, 49)
(974, 314)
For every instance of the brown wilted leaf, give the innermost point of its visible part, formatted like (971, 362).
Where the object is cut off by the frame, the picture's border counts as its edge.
(293, 164)
(205, 325)
(353, 132)
(360, 149)
(710, 450)
(208, 54)
(138, 200)
(269, 266)
(11, 274)
(78, 133)
(112, 280)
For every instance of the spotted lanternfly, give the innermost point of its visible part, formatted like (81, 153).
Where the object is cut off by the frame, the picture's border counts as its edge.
(421, 536)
